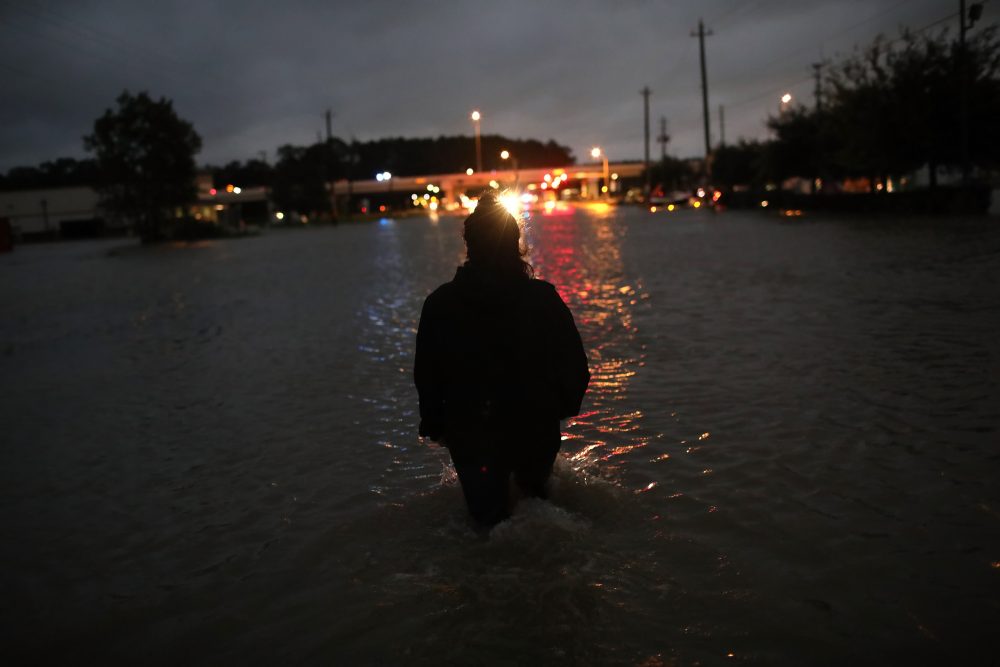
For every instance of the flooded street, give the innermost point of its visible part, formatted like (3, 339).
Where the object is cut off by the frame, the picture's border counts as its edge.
(788, 453)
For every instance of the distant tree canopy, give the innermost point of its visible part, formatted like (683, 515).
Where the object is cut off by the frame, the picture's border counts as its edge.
(299, 175)
(408, 157)
(145, 160)
(893, 108)
(739, 164)
(145, 163)
(61, 173)
(672, 173)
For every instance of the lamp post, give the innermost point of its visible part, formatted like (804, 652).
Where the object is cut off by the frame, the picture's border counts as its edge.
(786, 100)
(476, 116)
(595, 153)
(505, 155)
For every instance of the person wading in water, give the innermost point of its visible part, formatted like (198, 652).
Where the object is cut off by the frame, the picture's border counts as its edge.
(499, 362)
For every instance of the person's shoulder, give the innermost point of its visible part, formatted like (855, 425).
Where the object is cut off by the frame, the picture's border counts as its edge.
(542, 291)
(539, 285)
(442, 294)
(542, 287)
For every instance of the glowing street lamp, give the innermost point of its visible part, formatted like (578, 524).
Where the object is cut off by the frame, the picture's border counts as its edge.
(385, 177)
(786, 99)
(505, 155)
(476, 116)
(595, 153)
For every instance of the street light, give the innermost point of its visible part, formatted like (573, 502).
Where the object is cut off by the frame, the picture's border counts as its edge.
(595, 153)
(505, 155)
(786, 99)
(385, 177)
(479, 146)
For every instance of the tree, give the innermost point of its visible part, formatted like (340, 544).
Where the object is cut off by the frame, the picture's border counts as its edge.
(738, 164)
(896, 105)
(145, 160)
(672, 174)
(302, 172)
(63, 172)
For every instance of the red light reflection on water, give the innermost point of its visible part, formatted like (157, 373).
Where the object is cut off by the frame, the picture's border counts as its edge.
(580, 253)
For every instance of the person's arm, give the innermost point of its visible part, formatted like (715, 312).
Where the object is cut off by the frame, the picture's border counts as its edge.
(427, 373)
(570, 358)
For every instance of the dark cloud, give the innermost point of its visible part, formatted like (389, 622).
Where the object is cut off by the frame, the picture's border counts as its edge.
(254, 75)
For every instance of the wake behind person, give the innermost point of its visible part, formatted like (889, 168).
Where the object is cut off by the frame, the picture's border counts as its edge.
(499, 362)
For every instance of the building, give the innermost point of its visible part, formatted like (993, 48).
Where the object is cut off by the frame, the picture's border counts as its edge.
(53, 212)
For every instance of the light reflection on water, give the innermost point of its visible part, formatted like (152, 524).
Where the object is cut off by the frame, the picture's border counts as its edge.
(584, 263)
(210, 452)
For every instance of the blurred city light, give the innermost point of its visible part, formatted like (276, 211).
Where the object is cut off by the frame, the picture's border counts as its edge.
(469, 172)
(510, 201)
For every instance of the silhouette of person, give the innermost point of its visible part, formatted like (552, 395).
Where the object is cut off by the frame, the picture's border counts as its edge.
(499, 362)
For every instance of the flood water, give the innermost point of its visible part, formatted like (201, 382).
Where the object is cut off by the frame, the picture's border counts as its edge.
(788, 454)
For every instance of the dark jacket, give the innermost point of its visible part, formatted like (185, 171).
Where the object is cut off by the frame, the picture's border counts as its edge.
(494, 355)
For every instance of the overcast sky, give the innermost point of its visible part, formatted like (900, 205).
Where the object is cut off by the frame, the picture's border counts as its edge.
(251, 76)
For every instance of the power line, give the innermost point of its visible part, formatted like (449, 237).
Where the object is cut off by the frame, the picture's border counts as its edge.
(786, 55)
(769, 91)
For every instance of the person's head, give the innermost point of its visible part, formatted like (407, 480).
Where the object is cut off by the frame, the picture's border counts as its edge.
(493, 239)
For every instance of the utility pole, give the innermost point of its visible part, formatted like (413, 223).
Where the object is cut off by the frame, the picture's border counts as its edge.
(325, 165)
(45, 214)
(704, 85)
(645, 116)
(722, 125)
(663, 138)
(965, 22)
(818, 90)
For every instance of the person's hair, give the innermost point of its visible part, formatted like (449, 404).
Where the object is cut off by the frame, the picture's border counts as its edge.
(493, 240)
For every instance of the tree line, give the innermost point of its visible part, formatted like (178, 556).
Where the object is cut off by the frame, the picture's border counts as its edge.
(888, 110)
(144, 164)
(298, 176)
